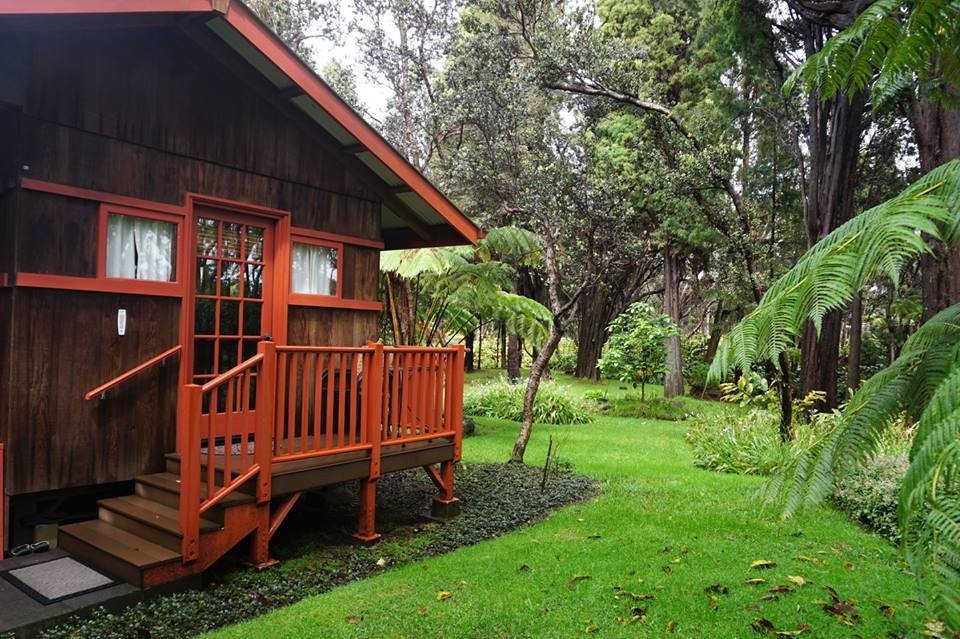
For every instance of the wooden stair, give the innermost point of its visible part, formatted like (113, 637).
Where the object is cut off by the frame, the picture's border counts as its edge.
(138, 535)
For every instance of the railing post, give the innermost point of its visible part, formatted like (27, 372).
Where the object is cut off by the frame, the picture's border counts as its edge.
(375, 381)
(266, 414)
(188, 424)
(458, 379)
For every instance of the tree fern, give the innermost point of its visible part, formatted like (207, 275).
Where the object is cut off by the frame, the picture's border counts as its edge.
(889, 45)
(922, 383)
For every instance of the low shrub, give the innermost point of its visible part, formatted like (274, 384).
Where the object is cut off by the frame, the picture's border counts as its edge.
(870, 494)
(632, 405)
(553, 404)
(748, 443)
(564, 359)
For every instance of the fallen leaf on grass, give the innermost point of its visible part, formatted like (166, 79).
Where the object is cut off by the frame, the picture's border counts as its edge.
(684, 549)
(443, 594)
(671, 626)
(798, 580)
(716, 589)
(668, 570)
(756, 581)
(523, 568)
(712, 602)
(575, 580)
(620, 592)
(887, 610)
(763, 626)
(422, 610)
(782, 588)
(591, 628)
(843, 612)
(763, 564)
(785, 634)
(770, 598)
(593, 537)
(753, 608)
(353, 619)
(637, 614)
(811, 560)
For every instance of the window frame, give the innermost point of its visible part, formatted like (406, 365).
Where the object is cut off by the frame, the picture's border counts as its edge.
(315, 299)
(137, 285)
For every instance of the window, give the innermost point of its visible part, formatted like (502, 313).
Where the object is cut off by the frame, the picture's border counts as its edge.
(315, 269)
(140, 248)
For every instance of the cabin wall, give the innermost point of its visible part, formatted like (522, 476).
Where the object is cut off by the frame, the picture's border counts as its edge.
(143, 113)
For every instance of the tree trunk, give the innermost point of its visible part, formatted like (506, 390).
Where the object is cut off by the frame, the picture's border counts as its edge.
(856, 342)
(937, 131)
(596, 312)
(468, 341)
(819, 358)
(514, 355)
(716, 331)
(673, 381)
(533, 384)
(786, 398)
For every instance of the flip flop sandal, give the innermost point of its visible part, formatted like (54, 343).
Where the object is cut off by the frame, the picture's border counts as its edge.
(41, 546)
(21, 550)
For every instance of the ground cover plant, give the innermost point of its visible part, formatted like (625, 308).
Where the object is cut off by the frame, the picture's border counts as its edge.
(498, 398)
(316, 557)
(666, 549)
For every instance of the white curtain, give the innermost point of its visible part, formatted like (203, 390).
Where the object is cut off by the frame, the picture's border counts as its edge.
(314, 270)
(140, 249)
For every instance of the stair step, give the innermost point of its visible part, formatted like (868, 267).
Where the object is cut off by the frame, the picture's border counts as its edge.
(165, 488)
(149, 519)
(117, 551)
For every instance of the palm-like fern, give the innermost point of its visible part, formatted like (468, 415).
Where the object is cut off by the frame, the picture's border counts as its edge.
(461, 284)
(923, 382)
(889, 45)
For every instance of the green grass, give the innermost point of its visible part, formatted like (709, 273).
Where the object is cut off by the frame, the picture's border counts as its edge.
(660, 527)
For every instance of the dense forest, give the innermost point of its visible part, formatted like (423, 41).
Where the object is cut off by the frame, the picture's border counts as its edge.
(735, 174)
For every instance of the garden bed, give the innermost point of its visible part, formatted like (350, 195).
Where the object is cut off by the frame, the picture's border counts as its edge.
(317, 552)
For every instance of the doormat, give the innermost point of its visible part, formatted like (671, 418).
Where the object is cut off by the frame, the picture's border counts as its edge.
(57, 579)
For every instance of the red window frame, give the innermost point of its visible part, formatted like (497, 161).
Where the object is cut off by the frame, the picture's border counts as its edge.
(302, 236)
(154, 287)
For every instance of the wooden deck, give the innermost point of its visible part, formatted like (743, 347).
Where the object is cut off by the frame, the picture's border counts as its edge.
(399, 409)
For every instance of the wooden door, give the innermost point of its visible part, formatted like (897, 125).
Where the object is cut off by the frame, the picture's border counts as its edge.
(232, 293)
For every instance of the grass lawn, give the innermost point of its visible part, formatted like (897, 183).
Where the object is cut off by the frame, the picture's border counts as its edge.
(666, 549)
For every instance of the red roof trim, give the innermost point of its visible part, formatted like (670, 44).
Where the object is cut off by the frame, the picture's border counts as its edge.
(250, 27)
(52, 7)
(244, 21)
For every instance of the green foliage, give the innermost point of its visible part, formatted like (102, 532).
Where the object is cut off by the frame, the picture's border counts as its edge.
(633, 406)
(695, 364)
(923, 382)
(564, 358)
(889, 45)
(750, 391)
(635, 352)
(455, 286)
(500, 399)
(870, 494)
(747, 443)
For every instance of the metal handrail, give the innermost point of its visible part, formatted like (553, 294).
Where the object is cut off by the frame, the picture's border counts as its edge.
(133, 372)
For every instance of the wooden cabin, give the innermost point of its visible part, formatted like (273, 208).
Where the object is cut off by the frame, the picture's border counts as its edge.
(190, 228)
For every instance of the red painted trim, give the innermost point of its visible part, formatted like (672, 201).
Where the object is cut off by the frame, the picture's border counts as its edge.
(296, 238)
(107, 209)
(41, 7)
(133, 372)
(328, 301)
(244, 21)
(299, 231)
(235, 206)
(100, 196)
(98, 285)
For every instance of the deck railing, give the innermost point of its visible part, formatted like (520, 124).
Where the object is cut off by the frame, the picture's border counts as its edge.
(295, 402)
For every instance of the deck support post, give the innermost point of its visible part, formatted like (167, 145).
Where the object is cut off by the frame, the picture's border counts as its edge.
(260, 539)
(366, 529)
(445, 505)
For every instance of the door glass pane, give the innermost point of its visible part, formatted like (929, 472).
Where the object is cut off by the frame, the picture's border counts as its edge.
(229, 350)
(205, 316)
(231, 240)
(229, 318)
(206, 277)
(229, 279)
(253, 281)
(253, 248)
(251, 318)
(206, 236)
(203, 357)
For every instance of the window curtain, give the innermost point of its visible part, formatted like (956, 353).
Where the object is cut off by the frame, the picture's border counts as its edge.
(314, 270)
(140, 249)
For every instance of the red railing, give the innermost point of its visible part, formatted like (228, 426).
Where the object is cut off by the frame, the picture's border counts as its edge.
(133, 372)
(296, 402)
